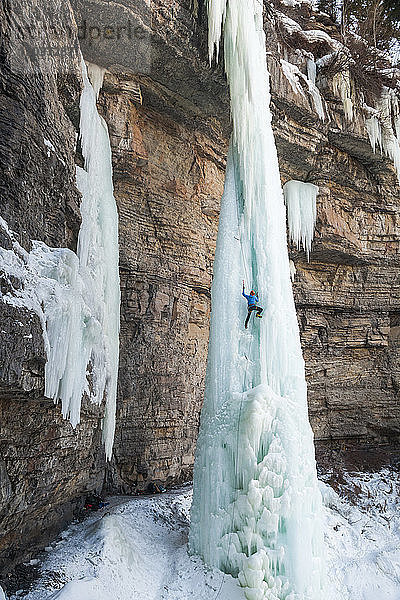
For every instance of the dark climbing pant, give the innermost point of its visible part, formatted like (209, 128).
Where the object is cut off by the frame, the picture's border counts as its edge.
(250, 310)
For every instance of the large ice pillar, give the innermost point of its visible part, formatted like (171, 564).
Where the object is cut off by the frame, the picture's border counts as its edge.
(257, 508)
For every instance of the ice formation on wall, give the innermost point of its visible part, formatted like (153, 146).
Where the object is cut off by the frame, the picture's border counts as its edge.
(295, 76)
(383, 122)
(373, 127)
(98, 249)
(342, 87)
(292, 268)
(301, 204)
(311, 70)
(257, 508)
(383, 127)
(77, 296)
(96, 77)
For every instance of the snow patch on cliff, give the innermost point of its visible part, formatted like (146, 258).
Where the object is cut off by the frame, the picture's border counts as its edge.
(310, 36)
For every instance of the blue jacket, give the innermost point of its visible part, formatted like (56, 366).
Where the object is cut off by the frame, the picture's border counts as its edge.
(251, 300)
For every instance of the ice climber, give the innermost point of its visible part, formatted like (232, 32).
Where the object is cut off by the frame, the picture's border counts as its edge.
(251, 305)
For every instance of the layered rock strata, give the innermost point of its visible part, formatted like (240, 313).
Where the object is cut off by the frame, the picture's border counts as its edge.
(168, 181)
(168, 118)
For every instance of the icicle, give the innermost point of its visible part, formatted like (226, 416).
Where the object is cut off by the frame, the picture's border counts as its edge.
(390, 142)
(311, 70)
(395, 113)
(301, 203)
(374, 132)
(383, 128)
(256, 509)
(293, 271)
(96, 77)
(294, 75)
(342, 87)
(216, 16)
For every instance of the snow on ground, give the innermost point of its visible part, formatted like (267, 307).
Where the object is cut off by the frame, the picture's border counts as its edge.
(136, 549)
(363, 536)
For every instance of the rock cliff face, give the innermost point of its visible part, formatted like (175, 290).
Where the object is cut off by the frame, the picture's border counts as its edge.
(45, 466)
(347, 294)
(167, 113)
(168, 180)
(169, 131)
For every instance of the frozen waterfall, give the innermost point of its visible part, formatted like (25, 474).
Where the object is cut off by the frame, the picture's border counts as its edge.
(98, 248)
(257, 508)
(77, 296)
(84, 332)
